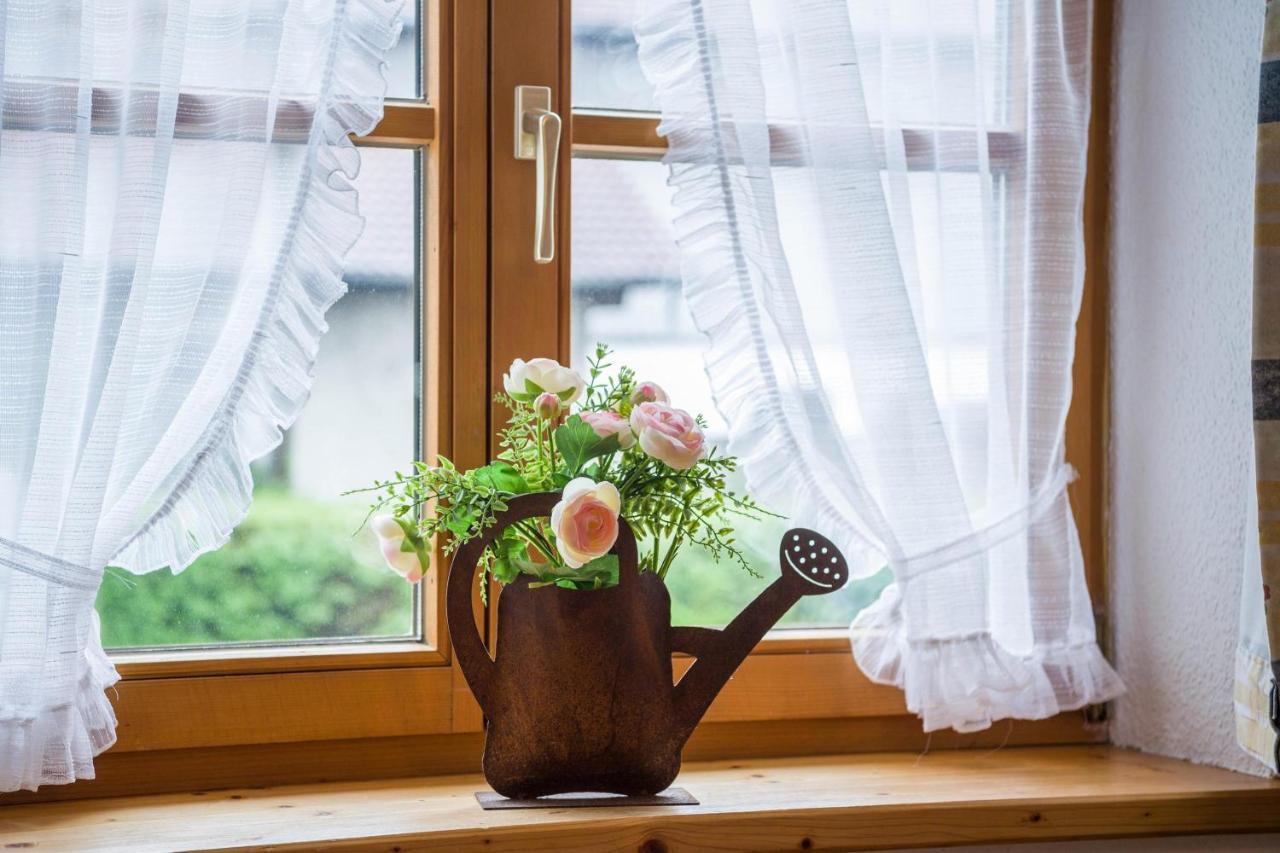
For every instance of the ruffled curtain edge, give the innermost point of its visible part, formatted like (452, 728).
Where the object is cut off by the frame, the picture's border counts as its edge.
(216, 492)
(672, 61)
(970, 682)
(965, 683)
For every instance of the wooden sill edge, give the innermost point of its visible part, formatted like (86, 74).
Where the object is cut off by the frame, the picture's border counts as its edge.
(851, 802)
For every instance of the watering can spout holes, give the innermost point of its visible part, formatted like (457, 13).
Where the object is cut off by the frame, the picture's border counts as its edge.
(814, 561)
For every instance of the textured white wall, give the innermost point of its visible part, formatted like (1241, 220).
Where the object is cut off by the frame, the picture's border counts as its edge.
(1185, 107)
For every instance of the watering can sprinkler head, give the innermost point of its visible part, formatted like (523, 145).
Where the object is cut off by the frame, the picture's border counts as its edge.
(812, 558)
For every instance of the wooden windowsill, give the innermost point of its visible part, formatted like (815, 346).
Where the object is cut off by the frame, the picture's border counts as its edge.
(863, 802)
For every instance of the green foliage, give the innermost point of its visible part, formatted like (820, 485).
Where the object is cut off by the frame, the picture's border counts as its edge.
(291, 571)
(577, 444)
(605, 391)
(460, 503)
(523, 444)
(600, 572)
(670, 508)
(502, 477)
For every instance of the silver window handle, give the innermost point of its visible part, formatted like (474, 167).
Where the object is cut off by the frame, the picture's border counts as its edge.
(538, 139)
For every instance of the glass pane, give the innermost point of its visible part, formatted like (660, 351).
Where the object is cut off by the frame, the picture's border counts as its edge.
(943, 58)
(404, 62)
(606, 70)
(937, 63)
(293, 570)
(626, 293)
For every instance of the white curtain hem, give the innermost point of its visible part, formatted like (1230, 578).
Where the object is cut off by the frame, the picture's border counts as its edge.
(969, 682)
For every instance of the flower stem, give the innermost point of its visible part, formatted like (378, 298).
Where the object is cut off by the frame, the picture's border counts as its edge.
(629, 477)
(672, 550)
(537, 540)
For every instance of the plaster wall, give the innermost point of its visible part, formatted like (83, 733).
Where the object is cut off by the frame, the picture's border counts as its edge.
(1183, 128)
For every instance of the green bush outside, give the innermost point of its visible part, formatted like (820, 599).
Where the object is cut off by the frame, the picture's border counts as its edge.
(291, 571)
(294, 571)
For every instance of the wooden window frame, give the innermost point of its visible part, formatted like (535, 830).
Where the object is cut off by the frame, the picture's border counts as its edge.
(315, 713)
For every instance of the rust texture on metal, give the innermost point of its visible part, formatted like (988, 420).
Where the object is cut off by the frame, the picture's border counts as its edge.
(578, 696)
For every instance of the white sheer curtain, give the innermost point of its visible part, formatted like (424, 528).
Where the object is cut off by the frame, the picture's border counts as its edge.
(175, 204)
(879, 218)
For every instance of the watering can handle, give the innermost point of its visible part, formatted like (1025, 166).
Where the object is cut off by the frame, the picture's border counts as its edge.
(473, 657)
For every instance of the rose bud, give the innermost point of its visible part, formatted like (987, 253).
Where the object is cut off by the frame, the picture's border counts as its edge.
(411, 562)
(610, 423)
(649, 392)
(547, 406)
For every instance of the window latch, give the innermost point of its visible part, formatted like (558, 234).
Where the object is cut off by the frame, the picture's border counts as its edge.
(537, 137)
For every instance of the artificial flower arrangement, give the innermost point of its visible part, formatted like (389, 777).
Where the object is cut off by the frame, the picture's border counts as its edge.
(613, 447)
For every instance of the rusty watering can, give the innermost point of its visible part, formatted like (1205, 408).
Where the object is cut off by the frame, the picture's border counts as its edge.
(579, 694)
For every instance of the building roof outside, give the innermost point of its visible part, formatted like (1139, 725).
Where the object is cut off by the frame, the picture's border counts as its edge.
(622, 230)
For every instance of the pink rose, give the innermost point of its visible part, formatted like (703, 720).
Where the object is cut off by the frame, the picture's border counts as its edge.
(405, 555)
(610, 423)
(649, 392)
(668, 435)
(585, 521)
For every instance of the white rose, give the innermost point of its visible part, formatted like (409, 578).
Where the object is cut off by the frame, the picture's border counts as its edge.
(386, 527)
(546, 374)
(410, 564)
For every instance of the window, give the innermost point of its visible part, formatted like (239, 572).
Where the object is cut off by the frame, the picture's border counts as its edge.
(293, 632)
(623, 273)
(332, 668)
(299, 568)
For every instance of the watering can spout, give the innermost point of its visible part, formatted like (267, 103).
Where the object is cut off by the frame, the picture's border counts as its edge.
(811, 565)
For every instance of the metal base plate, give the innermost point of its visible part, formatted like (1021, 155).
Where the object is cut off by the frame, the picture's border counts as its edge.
(490, 800)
